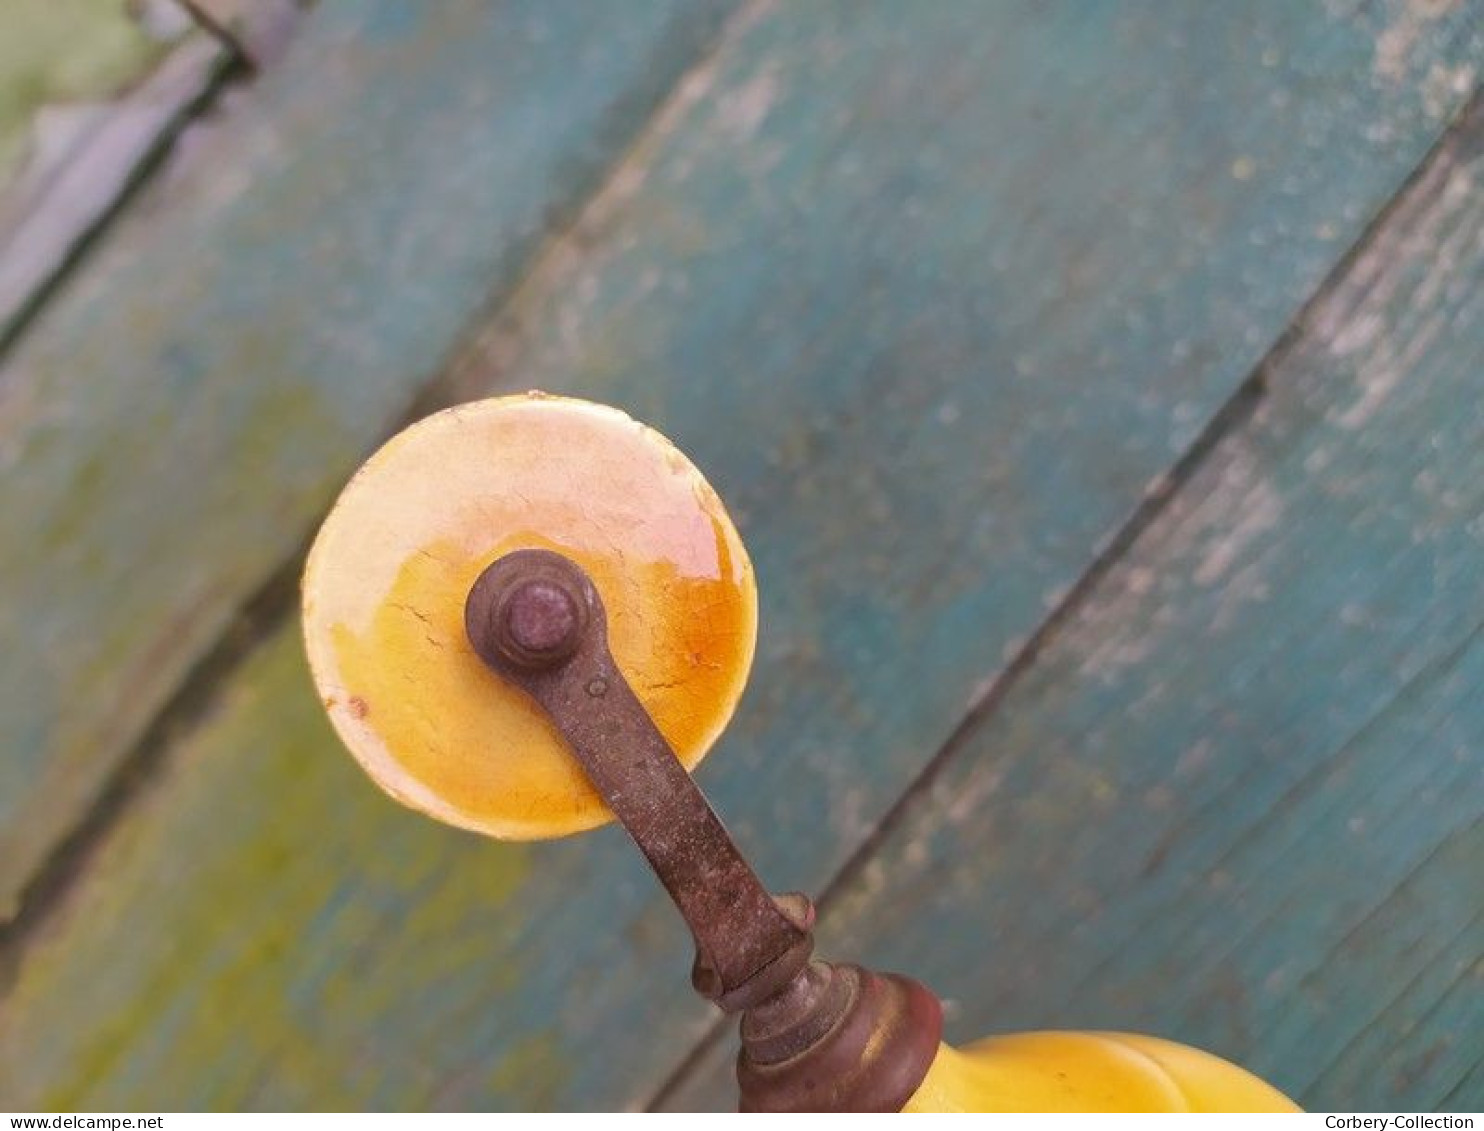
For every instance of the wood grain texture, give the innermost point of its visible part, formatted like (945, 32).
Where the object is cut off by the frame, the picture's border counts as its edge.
(173, 424)
(932, 303)
(1239, 800)
(91, 92)
(67, 51)
(93, 156)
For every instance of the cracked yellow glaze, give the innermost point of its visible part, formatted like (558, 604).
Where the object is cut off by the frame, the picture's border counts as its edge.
(1088, 1072)
(384, 590)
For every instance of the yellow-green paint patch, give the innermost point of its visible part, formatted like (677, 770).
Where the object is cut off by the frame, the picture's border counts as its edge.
(276, 847)
(532, 1073)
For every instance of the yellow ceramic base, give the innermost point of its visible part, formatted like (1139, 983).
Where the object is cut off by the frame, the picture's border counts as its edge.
(386, 582)
(1088, 1072)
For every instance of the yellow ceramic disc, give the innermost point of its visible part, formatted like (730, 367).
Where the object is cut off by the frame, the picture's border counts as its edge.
(386, 581)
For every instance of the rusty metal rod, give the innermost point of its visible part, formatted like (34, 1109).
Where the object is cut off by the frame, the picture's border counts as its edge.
(816, 1036)
(536, 618)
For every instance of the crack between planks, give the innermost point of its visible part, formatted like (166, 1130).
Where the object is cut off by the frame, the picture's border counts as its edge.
(245, 49)
(272, 605)
(225, 72)
(255, 39)
(480, 358)
(255, 34)
(194, 699)
(1229, 420)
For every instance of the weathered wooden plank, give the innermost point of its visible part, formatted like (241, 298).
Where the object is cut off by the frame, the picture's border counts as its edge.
(73, 135)
(66, 51)
(932, 302)
(172, 424)
(64, 198)
(1239, 800)
(259, 1021)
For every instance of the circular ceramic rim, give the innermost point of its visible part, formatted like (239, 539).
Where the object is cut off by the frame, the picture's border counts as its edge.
(379, 764)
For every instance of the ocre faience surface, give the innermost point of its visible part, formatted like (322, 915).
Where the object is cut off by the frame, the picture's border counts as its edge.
(386, 582)
(1088, 1072)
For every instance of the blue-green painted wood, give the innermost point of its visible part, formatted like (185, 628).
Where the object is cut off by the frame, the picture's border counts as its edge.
(933, 302)
(176, 420)
(1239, 799)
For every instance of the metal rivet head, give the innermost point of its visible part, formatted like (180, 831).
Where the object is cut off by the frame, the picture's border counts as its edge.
(541, 619)
(528, 609)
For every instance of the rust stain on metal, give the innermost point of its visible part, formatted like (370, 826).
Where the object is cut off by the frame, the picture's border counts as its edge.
(815, 1036)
